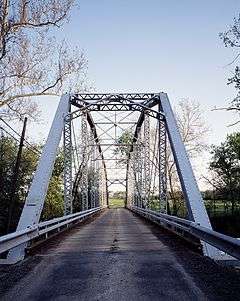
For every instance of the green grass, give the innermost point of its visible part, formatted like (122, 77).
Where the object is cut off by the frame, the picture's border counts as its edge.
(221, 208)
(116, 203)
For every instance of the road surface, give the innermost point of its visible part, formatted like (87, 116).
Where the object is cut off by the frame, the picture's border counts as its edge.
(118, 256)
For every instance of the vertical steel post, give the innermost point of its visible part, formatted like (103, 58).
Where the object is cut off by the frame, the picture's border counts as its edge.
(95, 176)
(147, 180)
(139, 159)
(134, 166)
(84, 179)
(92, 180)
(67, 141)
(97, 200)
(162, 167)
(130, 183)
(103, 187)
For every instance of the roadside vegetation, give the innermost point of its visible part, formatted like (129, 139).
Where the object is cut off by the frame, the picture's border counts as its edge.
(53, 206)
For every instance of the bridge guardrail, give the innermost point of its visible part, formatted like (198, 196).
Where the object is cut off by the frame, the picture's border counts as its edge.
(222, 242)
(9, 241)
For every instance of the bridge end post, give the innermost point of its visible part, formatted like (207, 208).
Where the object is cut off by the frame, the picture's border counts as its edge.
(194, 202)
(33, 206)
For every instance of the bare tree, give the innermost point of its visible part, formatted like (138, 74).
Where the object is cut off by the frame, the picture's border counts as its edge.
(193, 130)
(32, 61)
(231, 38)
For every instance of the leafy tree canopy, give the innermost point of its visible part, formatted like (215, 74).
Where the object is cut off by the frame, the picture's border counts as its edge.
(54, 202)
(225, 165)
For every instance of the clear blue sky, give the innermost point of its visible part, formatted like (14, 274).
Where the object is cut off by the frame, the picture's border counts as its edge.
(155, 45)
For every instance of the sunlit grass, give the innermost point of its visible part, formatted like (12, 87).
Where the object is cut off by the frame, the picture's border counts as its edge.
(116, 203)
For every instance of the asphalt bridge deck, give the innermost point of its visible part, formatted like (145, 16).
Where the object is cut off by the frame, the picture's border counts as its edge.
(119, 256)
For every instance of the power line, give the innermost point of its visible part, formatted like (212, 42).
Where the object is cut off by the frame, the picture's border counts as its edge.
(29, 144)
(9, 134)
(34, 150)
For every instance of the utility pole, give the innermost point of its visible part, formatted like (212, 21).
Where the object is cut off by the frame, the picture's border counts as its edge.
(15, 177)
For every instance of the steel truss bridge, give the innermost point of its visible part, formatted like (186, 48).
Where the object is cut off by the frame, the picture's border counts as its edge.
(109, 140)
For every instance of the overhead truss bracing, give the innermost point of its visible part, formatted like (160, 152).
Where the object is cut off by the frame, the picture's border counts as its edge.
(110, 140)
(117, 102)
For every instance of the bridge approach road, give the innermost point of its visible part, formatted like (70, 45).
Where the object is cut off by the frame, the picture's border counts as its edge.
(118, 256)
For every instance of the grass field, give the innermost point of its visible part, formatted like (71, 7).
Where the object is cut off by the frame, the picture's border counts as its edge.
(220, 208)
(116, 203)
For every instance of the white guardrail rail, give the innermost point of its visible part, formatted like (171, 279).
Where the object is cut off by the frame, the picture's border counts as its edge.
(180, 226)
(12, 240)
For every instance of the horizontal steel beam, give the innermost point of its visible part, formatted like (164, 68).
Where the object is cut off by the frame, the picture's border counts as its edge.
(115, 123)
(107, 159)
(222, 242)
(115, 96)
(114, 106)
(111, 144)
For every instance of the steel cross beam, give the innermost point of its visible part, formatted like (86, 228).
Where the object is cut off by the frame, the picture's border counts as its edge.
(114, 96)
(116, 181)
(117, 102)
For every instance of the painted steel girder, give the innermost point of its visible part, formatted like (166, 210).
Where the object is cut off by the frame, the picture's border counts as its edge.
(67, 140)
(33, 206)
(195, 205)
(162, 167)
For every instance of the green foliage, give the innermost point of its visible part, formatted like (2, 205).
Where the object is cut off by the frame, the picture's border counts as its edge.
(54, 202)
(124, 141)
(225, 164)
(54, 206)
(119, 195)
(8, 152)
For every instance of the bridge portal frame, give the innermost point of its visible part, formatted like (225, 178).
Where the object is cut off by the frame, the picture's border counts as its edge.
(143, 103)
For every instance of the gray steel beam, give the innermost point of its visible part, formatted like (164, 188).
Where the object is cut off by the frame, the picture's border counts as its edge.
(162, 164)
(67, 143)
(84, 178)
(195, 205)
(146, 164)
(35, 200)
